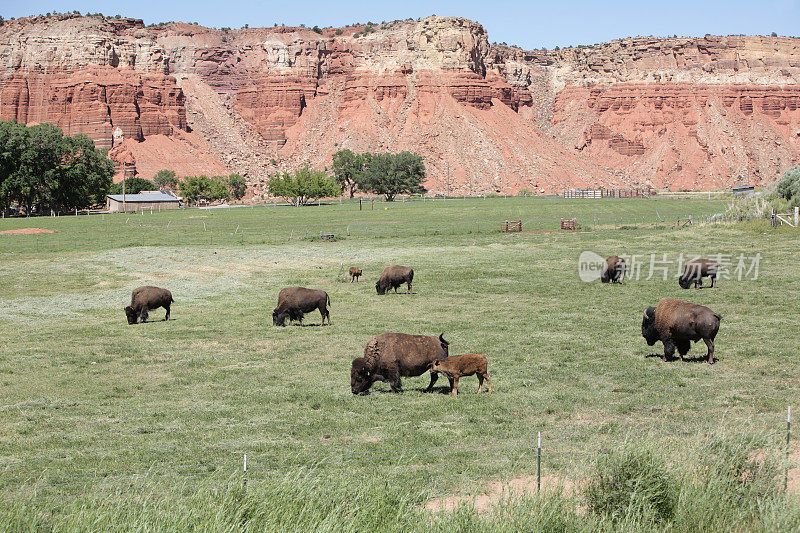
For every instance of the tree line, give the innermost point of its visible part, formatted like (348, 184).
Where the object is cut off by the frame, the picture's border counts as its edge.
(386, 174)
(43, 170)
(193, 188)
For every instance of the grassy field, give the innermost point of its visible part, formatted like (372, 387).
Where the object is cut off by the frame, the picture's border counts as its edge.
(104, 419)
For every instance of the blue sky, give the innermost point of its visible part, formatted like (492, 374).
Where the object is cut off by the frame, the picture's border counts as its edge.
(526, 24)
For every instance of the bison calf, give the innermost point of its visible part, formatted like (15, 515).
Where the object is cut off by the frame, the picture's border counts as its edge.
(355, 273)
(613, 270)
(392, 277)
(695, 270)
(294, 302)
(145, 299)
(676, 323)
(457, 366)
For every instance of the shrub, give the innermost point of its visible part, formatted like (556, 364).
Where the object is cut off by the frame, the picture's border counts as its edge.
(789, 186)
(338, 31)
(632, 483)
(317, 29)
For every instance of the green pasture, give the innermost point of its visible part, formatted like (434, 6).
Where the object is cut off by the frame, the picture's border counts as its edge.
(99, 418)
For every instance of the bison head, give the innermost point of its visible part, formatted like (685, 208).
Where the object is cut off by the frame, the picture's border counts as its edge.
(649, 331)
(436, 366)
(684, 282)
(361, 376)
(279, 317)
(131, 314)
(381, 286)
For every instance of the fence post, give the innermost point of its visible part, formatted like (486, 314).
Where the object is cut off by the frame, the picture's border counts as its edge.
(244, 469)
(788, 433)
(539, 462)
(796, 215)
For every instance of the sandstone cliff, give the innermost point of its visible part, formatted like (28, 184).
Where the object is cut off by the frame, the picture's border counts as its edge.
(678, 113)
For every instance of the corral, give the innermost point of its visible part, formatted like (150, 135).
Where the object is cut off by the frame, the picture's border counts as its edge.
(164, 411)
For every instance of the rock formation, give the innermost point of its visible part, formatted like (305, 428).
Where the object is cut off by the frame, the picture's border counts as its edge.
(677, 113)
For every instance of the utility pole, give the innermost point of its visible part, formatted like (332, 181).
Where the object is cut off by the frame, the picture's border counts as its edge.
(448, 177)
(124, 172)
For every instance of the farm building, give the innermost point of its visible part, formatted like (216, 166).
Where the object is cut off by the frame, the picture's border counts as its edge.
(744, 190)
(144, 200)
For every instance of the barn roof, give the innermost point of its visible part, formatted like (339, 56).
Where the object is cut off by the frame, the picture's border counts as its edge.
(145, 197)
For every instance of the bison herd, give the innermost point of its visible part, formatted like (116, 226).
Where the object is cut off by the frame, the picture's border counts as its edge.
(389, 357)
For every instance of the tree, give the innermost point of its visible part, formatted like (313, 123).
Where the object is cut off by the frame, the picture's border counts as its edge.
(133, 185)
(392, 174)
(346, 168)
(303, 185)
(165, 179)
(237, 186)
(789, 185)
(211, 189)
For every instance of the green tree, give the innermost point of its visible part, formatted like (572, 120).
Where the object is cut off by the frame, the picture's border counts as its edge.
(85, 175)
(166, 179)
(133, 185)
(392, 174)
(211, 189)
(789, 185)
(303, 185)
(347, 166)
(237, 186)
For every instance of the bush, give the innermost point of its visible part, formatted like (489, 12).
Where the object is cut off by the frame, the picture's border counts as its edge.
(788, 187)
(338, 31)
(304, 185)
(196, 187)
(317, 29)
(632, 483)
(237, 186)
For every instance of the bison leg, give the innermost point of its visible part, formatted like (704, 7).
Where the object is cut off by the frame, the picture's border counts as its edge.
(143, 315)
(167, 308)
(710, 344)
(454, 391)
(488, 383)
(480, 382)
(324, 312)
(434, 377)
(669, 350)
(409, 288)
(683, 348)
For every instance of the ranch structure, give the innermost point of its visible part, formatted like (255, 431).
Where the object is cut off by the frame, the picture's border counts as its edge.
(117, 203)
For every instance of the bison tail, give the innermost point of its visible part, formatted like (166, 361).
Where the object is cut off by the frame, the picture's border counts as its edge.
(441, 339)
(328, 299)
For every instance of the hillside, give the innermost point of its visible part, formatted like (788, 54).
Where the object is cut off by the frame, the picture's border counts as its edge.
(675, 113)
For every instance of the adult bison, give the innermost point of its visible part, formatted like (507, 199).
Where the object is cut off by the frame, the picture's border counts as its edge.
(695, 270)
(676, 323)
(294, 302)
(613, 270)
(145, 299)
(389, 356)
(394, 276)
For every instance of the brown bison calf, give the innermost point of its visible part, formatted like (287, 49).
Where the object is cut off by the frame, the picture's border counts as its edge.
(145, 299)
(392, 277)
(695, 270)
(355, 273)
(456, 366)
(295, 302)
(613, 270)
(676, 323)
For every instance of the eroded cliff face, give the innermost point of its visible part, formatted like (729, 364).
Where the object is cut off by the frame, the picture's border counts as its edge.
(679, 113)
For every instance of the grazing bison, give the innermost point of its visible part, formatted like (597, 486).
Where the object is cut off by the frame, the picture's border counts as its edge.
(389, 356)
(676, 323)
(613, 270)
(355, 273)
(294, 302)
(463, 365)
(695, 270)
(392, 277)
(145, 299)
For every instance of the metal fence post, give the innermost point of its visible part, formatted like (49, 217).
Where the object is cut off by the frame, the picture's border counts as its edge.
(539, 462)
(244, 469)
(788, 434)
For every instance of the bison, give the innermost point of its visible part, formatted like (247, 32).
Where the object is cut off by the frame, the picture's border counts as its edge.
(695, 270)
(294, 302)
(389, 356)
(355, 273)
(145, 299)
(613, 270)
(392, 277)
(676, 323)
(463, 365)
